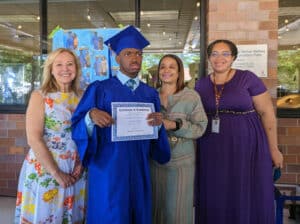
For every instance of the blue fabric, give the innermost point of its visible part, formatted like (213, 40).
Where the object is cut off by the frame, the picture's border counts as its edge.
(119, 188)
(129, 37)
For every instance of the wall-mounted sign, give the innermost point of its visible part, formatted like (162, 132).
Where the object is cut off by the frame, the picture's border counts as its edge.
(254, 58)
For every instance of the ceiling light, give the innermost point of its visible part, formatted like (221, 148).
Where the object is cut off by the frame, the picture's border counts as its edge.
(147, 15)
(198, 4)
(88, 15)
(19, 27)
(17, 18)
(196, 18)
(286, 21)
(148, 24)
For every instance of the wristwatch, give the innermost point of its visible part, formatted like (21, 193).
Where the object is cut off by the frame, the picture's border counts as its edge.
(178, 123)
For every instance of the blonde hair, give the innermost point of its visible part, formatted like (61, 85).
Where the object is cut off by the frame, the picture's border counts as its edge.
(49, 83)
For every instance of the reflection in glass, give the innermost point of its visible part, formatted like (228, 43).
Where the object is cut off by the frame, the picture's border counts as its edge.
(170, 30)
(19, 52)
(288, 89)
(12, 83)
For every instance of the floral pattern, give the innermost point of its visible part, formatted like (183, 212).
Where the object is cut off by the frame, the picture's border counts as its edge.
(40, 199)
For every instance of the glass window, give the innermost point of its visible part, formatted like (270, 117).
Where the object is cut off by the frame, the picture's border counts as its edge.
(288, 89)
(171, 26)
(19, 53)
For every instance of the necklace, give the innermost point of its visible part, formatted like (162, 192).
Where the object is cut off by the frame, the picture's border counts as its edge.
(215, 127)
(218, 93)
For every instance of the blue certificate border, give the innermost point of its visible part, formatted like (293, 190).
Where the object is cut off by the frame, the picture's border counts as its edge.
(114, 136)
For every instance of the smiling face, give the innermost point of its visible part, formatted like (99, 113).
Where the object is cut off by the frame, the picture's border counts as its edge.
(168, 71)
(221, 58)
(64, 70)
(130, 60)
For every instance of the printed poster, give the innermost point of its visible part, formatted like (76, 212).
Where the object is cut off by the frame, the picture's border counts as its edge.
(97, 61)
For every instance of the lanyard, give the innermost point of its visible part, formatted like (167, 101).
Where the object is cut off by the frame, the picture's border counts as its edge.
(218, 93)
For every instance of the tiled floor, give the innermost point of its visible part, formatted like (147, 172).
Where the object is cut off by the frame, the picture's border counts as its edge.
(290, 221)
(7, 206)
(7, 210)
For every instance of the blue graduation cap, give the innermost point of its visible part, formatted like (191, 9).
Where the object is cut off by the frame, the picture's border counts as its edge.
(129, 37)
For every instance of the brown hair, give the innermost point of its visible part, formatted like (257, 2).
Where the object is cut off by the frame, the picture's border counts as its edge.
(180, 81)
(49, 83)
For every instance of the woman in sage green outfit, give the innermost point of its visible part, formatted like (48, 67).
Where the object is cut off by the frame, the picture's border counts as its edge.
(185, 120)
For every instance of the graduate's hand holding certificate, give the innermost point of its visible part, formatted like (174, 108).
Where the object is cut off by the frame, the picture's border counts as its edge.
(101, 118)
(134, 121)
(155, 119)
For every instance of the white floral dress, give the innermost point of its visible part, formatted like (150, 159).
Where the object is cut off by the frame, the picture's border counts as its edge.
(40, 199)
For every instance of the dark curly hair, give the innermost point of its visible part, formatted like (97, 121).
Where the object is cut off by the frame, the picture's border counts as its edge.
(230, 44)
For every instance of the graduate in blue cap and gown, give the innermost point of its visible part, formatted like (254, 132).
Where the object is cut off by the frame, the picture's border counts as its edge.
(119, 184)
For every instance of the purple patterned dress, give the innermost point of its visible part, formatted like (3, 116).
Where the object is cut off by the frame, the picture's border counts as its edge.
(234, 167)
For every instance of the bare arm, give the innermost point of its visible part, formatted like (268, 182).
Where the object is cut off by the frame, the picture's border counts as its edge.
(34, 130)
(263, 105)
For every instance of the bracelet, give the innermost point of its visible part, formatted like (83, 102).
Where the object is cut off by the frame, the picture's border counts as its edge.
(178, 123)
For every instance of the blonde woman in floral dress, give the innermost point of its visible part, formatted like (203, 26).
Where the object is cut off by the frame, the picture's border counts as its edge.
(52, 181)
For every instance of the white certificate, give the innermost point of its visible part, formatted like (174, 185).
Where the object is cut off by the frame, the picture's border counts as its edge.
(131, 121)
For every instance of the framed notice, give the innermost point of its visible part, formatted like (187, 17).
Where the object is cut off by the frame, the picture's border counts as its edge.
(254, 58)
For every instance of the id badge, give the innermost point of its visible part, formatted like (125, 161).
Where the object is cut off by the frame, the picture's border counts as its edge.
(215, 126)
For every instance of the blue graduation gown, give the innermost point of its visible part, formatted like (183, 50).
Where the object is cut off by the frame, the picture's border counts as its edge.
(119, 188)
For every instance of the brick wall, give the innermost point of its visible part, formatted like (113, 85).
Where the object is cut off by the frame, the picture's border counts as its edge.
(289, 143)
(247, 22)
(13, 146)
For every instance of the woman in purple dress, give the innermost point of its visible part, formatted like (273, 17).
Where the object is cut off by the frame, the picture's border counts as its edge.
(236, 153)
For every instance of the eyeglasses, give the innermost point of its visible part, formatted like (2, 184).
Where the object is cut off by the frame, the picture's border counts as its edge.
(224, 54)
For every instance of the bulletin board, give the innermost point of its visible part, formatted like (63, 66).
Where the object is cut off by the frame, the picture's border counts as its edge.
(97, 61)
